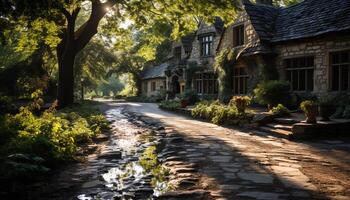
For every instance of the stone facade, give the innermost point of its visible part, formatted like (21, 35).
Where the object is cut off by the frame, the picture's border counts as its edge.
(259, 51)
(206, 61)
(158, 84)
(269, 41)
(320, 49)
(251, 63)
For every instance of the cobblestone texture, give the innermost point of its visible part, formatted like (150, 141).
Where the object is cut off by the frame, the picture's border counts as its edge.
(239, 164)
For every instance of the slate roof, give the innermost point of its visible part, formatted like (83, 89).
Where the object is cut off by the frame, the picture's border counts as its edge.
(312, 18)
(155, 72)
(256, 48)
(306, 19)
(187, 42)
(263, 19)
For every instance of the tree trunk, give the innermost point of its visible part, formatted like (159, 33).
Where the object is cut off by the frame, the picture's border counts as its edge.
(73, 42)
(66, 79)
(138, 84)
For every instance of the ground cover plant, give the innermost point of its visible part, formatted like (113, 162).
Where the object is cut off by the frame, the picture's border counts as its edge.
(219, 113)
(171, 105)
(32, 141)
(272, 93)
(280, 110)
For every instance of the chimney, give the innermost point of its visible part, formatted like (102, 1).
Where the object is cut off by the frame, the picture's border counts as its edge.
(266, 2)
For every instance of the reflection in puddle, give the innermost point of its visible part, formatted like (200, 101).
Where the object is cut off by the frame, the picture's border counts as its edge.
(138, 174)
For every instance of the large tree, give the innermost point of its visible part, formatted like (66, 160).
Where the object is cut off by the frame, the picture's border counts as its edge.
(74, 38)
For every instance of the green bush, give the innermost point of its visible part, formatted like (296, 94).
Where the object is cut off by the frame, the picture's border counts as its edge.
(217, 113)
(307, 106)
(272, 93)
(343, 109)
(53, 135)
(190, 96)
(280, 110)
(241, 103)
(171, 105)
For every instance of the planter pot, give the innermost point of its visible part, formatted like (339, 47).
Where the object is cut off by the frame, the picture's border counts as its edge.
(311, 114)
(326, 111)
(184, 104)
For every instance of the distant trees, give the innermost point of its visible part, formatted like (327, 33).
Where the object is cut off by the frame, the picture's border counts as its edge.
(73, 37)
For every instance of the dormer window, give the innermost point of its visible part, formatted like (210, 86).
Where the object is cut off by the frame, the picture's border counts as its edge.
(206, 43)
(238, 35)
(177, 53)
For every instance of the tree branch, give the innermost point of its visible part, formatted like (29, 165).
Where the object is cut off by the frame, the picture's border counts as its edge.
(86, 31)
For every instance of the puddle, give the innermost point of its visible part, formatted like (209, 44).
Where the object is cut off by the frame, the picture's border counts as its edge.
(137, 174)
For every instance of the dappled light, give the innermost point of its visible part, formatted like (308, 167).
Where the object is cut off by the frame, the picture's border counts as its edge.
(174, 100)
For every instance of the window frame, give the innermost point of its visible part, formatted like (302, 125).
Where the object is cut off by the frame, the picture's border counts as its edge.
(178, 53)
(206, 83)
(339, 65)
(206, 43)
(239, 77)
(300, 71)
(153, 86)
(238, 33)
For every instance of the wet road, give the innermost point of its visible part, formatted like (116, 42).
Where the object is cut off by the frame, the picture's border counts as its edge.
(121, 166)
(200, 160)
(238, 164)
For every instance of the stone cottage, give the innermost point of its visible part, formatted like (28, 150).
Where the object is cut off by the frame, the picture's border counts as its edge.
(154, 80)
(307, 44)
(196, 49)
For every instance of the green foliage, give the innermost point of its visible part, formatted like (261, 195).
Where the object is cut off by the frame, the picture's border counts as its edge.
(6, 104)
(241, 103)
(191, 70)
(280, 110)
(190, 96)
(149, 162)
(223, 67)
(111, 86)
(308, 106)
(219, 113)
(53, 135)
(286, 2)
(342, 102)
(272, 93)
(171, 105)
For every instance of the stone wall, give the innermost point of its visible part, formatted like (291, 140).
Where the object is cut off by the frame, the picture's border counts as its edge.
(208, 61)
(160, 84)
(251, 63)
(250, 35)
(320, 48)
(174, 45)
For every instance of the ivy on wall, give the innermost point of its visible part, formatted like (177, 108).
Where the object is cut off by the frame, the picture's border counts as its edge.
(191, 70)
(224, 68)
